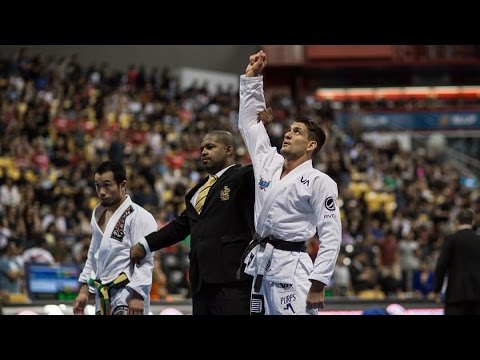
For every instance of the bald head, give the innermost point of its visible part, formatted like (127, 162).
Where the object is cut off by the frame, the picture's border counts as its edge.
(217, 151)
(222, 136)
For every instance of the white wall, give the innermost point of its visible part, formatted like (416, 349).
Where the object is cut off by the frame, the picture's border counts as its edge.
(213, 79)
(228, 58)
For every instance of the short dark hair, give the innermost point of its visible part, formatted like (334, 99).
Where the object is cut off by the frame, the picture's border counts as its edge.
(118, 170)
(225, 137)
(466, 217)
(315, 132)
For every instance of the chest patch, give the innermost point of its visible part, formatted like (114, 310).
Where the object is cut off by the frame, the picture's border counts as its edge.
(119, 230)
(263, 184)
(225, 193)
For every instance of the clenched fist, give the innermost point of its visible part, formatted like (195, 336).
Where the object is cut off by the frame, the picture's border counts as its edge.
(257, 63)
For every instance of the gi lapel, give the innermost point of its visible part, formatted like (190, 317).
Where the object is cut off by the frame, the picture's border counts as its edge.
(278, 188)
(114, 231)
(115, 228)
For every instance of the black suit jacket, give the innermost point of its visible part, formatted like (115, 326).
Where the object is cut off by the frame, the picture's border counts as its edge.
(460, 260)
(220, 234)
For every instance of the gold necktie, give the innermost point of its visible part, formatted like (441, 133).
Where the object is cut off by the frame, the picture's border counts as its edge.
(202, 194)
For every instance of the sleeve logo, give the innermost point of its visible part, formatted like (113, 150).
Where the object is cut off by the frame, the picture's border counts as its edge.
(330, 203)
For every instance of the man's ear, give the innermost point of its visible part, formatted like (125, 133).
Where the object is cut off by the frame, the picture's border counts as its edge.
(312, 145)
(123, 185)
(229, 149)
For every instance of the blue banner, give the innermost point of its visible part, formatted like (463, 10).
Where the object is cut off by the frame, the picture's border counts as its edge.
(412, 121)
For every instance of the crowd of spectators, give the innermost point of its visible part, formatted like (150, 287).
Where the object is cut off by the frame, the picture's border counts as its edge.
(59, 120)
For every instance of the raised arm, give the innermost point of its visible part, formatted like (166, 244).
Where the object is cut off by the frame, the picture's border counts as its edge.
(252, 103)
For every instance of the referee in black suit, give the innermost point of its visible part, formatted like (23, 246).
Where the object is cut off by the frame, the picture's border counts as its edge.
(220, 222)
(460, 261)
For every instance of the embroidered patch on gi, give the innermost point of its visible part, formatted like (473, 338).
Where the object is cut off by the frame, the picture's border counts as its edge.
(257, 305)
(330, 203)
(118, 231)
(263, 184)
(286, 287)
(225, 193)
(120, 310)
(286, 302)
(289, 307)
(305, 181)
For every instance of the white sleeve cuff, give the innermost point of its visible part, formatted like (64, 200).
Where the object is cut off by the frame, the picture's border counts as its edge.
(320, 278)
(251, 78)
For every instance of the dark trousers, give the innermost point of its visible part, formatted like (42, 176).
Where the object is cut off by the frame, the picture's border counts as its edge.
(223, 299)
(463, 308)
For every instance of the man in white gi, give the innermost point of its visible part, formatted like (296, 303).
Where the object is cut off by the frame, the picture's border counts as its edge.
(117, 223)
(292, 202)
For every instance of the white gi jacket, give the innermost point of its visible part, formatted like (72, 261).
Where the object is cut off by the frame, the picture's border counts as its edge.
(109, 252)
(292, 208)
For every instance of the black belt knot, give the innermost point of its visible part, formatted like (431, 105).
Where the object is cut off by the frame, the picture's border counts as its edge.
(276, 243)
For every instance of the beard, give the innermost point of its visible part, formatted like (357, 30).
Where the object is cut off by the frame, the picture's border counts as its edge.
(211, 167)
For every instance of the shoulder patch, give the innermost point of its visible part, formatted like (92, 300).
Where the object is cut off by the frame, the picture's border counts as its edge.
(330, 203)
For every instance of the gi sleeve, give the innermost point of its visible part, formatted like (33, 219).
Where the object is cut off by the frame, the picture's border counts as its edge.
(324, 201)
(141, 280)
(252, 102)
(90, 268)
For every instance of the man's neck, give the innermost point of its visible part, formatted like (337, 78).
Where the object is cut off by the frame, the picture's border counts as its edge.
(290, 164)
(114, 207)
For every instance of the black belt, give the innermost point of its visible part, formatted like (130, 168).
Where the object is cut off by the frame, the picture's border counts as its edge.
(287, 245)
(276, 243)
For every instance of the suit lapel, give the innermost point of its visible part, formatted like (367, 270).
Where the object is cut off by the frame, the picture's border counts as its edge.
(213, 194)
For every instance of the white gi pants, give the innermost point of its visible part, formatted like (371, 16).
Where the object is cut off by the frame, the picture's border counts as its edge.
(283, 299)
